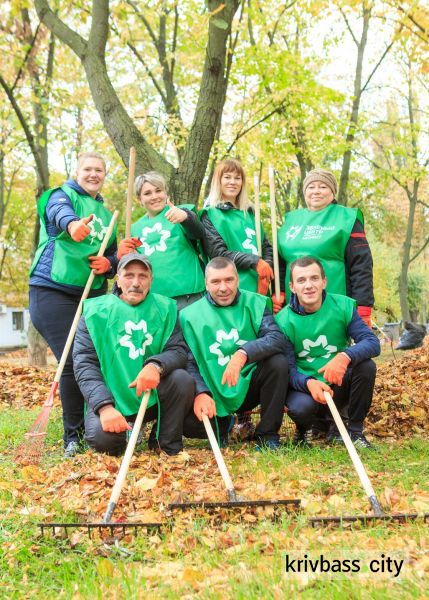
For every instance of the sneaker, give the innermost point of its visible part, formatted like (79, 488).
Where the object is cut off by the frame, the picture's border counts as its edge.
(71, 449)
(268, 445)
(334, 438)
(360, 441)
(244, 432)
(303, 437)
(140, 435)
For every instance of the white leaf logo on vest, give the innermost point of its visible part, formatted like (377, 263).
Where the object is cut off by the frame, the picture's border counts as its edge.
(96, 229)
(247, 244)
(221, 336)
(126, 342)
(293, 231)
(160, 244)
(321, 341)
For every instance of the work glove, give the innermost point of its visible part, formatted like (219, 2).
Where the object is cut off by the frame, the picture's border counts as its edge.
(78, 230)
(335, 369)
(278, 302)
(365, 314)
(175, 214)
(264, 270)
(233, 368)
(112, 420)
(263, 286)
(127, 246)
(204, 404)
(99, 264)
(316, 389)
(148, 379)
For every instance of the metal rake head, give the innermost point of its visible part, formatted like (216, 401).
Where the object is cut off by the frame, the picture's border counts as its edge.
(114, 528)
(367, 519)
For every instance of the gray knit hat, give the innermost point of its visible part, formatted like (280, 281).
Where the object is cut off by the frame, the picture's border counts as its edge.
(321, 175)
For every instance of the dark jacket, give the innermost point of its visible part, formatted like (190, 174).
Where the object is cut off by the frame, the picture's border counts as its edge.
(87, 366)
(270, 341)
(366, 345)
(193, 228)
(215, 246)
(59, 214)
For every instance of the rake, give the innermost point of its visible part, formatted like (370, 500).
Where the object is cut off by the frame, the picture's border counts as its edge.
(29, 452)
(233, 502)
(106, 523)
(378, 513)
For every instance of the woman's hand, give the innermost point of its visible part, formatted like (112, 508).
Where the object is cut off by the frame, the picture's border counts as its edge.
(175, 214)
(78, 230)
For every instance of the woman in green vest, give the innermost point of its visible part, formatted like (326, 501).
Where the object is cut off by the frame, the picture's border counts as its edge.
(230, 230)
(73, 220)
(335, 235)
(168, 236)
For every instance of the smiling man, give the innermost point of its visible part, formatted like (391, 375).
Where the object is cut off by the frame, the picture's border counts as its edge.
(237, 356)
(127, 343)
(319, 326)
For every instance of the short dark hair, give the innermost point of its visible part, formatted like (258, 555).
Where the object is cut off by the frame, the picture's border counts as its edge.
(306, 261)
(220, 262)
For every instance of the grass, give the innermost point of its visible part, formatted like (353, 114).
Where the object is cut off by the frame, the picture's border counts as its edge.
(235, 560)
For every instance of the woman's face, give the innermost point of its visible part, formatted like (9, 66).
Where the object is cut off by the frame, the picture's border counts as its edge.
(153, 198)
(318, 195)
(90, 175)
(230, 185)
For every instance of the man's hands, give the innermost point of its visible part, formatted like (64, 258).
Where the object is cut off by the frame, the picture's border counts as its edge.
(175, 214)
(316, 389)
(233, 368)
(127, 246)
(204, 404)
(148, 379)
(278, 302)
(335, 369)
(265, 275)
(99, 264)
(112, 420)
(78, 230)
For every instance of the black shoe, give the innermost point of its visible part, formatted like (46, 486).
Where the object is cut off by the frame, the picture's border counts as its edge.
(334, 437)
(360, 441)
(303, 437)
(72, 449)
(268, 445)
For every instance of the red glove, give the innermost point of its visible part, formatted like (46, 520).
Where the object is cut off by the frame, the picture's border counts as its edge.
(263, 269)
(278, 302)
(148, 379)
(316, 389)
(263, 285)
(112, 420)
(365, 314)
(99, 264)
(335, 369)
(204, 404)
(78, 230)
(127, 246)
(233, 368)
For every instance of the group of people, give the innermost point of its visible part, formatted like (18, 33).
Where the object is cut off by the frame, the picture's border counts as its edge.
(190, 318)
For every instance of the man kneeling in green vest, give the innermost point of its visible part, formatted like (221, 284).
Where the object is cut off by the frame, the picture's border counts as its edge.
(237, 356)
(319, 327)
(129, 342)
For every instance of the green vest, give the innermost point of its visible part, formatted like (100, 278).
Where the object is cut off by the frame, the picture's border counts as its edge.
(238, 231)
(323, 234)
(213, 334)
(176, 267)
(70, 265)
(319, 336)
(124, 337)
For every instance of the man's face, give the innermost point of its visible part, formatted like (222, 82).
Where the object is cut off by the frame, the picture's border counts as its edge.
(134, 280)
(222, 285)
(308, 284)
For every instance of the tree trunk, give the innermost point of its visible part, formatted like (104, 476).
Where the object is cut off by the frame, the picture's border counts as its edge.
(406, 251)
(37, 347)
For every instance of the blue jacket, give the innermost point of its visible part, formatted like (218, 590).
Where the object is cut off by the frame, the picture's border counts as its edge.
(58, 214)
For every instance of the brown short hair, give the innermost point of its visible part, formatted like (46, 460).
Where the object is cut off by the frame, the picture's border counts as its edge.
(306, 261)
(220, 262)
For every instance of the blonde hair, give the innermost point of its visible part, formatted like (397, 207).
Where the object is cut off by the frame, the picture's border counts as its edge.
(229, 165)
(152, 177)
(82, 157)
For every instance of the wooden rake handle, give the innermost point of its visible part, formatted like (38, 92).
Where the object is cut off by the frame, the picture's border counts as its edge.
(358, 464)
(131, 174)
(274, 231)
(257, 214)
(232, 496)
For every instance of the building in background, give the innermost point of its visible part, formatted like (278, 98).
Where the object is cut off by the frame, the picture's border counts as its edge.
(13, 326)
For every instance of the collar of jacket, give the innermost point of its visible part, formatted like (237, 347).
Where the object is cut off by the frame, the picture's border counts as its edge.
(77, 188)
(229, 206)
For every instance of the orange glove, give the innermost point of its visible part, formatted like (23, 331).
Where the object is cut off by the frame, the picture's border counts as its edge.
(78, 230)
(99, 264)
(127, 246)
(264, 270)
(112, 420)
(278, 302)
(263, 285)
(148, 379)
(233, 368)
(365, 314)
(204, 404)
(335, 369)
(316, 389)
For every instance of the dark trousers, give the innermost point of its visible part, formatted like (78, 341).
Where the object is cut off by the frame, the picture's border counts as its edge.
(268, 387)
(356, 390)
(176, 393)
(52, 313)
